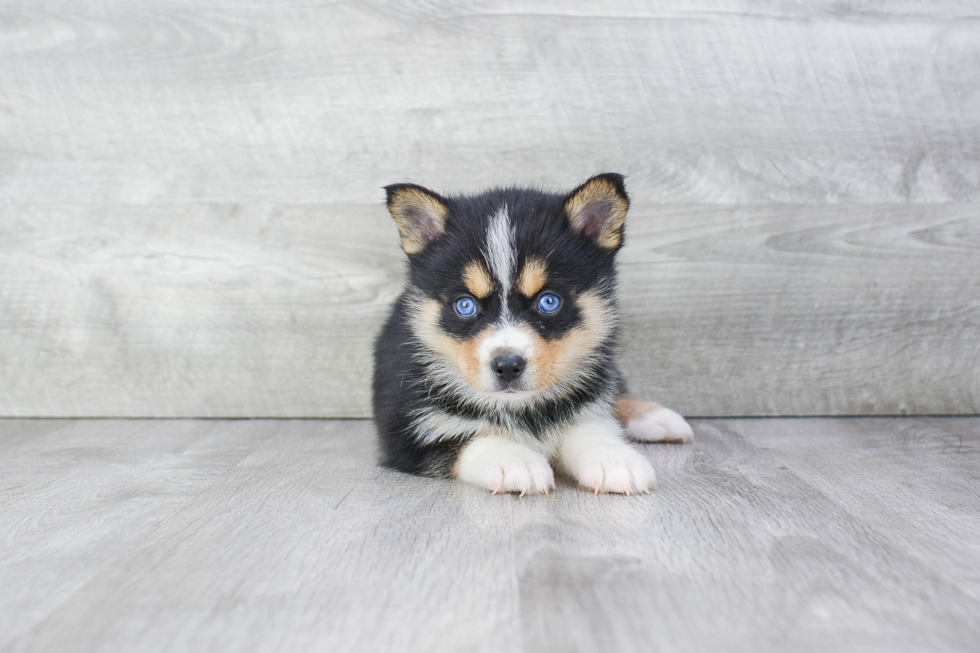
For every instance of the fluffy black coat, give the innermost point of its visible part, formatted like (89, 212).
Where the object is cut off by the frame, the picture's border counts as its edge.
(404, 386)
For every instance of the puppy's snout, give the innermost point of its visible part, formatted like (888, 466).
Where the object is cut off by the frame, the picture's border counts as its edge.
(508, 367)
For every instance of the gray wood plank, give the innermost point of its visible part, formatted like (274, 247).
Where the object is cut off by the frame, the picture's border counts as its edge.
(765, 535)
(740, 553)
(75, 496)
(321, 544)
(722, 102)
(913, 482)
(249, 311)
(803, 310)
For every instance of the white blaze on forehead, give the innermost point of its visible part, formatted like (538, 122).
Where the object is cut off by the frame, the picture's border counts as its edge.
(500, 251)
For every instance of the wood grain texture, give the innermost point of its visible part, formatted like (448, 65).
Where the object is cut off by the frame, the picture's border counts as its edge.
(75, 496)
(189, 194)
(723, 102)
(765, 535)
(251, 311)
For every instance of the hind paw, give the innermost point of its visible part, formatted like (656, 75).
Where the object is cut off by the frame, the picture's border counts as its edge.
(658, 424)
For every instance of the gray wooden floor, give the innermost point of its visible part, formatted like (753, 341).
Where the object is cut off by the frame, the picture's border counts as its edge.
(765, 535)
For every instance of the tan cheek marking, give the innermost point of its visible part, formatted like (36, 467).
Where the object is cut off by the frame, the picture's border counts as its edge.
(554, 359)
(463, 353)
(469, 361)
(533, 277)
(627, 409)
(477, 280)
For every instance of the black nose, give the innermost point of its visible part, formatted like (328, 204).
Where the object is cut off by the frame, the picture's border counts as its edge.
(507, 368)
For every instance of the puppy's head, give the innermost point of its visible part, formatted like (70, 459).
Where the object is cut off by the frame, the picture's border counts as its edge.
(512, 292)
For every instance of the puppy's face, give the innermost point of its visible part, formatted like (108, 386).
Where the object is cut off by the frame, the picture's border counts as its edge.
(512, 292)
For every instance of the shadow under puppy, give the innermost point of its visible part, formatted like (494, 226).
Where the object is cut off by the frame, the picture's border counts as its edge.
(499, 359)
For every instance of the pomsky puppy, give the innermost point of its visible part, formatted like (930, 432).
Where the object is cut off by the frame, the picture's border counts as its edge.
(498, 361)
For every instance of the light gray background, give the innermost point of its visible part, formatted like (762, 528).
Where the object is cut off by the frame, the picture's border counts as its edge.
(190, 203)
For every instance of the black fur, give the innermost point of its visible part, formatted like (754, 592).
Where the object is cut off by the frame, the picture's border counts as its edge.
(403, 385)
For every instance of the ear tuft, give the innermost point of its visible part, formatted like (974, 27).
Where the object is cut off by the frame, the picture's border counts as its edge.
(419, 214)
(597, 209)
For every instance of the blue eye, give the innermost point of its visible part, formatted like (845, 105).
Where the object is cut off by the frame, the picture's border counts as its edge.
(466, 307)
(549, 303)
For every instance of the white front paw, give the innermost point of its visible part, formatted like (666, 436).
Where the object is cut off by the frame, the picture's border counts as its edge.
(659, 425)
(502, 465)
(613, 467)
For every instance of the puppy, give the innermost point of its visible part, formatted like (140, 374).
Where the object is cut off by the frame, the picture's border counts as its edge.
(498, 362)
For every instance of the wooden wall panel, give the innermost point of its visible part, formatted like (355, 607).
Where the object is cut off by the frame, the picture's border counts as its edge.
(190, 194)
(223, 310)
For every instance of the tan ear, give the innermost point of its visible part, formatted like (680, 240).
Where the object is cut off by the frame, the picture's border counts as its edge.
(597, 209)
(419, 213)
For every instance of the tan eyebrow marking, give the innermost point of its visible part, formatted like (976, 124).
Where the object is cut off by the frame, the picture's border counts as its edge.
(533, 277)
(477, 280)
